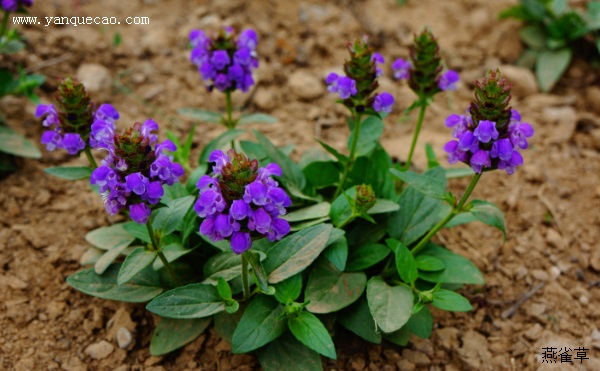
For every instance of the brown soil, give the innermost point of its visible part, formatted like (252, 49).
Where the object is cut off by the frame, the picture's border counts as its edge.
(551, 203)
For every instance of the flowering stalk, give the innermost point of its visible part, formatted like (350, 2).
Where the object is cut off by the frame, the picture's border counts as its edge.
(425, 78)
(357, 92)
(245, 283)
(156, 247)
(456, 209)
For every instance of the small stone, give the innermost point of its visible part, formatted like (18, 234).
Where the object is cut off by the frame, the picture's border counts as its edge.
(96, 78)
(305, 85)
(55, 309)
(418, 358)
(595, 260)
(563, 122)
(99, 350)
(474, 351)
(13, 282)
(555, 239)
(124, 337)
(153, 361)
(539, 274)
(554, 271)
(448, 337)
(121, 318)
(584, 300)
(405, 365)
(25, 364)
(595, 334)
(534, 332)
(522, 80)
(265, 99)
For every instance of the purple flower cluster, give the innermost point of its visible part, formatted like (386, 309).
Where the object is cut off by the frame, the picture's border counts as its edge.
(254, 213)
(345, 87)
(223, 63)
(447, 81)
(482, 146)
(56, 137)
(13, 5)
(133, 174)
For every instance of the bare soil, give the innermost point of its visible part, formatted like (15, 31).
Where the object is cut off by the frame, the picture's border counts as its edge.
(543, 283)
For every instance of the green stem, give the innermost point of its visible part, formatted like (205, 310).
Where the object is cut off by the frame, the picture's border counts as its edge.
(90, 158)
(455, 211)
(4, 24)
(229, 108)
(245, 283)
(160, 254)
(423, 105)
(352, 158)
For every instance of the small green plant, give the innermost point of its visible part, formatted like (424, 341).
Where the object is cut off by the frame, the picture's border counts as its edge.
(553, 32)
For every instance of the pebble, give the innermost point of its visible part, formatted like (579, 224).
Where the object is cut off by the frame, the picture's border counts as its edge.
(99, 350)
(448, 337)
(124, 337)
(584, 300)
(95, 77)
(595, 334)
(522, 79)
(564, 120)
(534, 332)
(539, 275)
(13, 282)
(305, 85)
(554, 271)
(265, 99)
(555, 239)
(595, 261)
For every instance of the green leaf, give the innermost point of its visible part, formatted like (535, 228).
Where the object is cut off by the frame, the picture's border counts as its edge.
(70, 172)
(370, 131)
(383, 206)
(171, 334)
(287, 353)
(534, 36)
(296, 252)
(219, 142)
(459, 172)
(259, 325)
(459, 270)
(227, 265)
(108, 258)
(201, 115)
(322, 174)
(366, 256)
(341, 210)
(421, 323)
(138, 231)
(358, 319)
(340, 157)
(257, 118)
(517, 12)
(177, 190)
(405, 264)
(134, 263)
(225, 324)
(431, 183)
(418, 214)
(431, 157)
(398, 337)
(309, 223)
(223, 289)
(309, 330)
(196, 300)
(429, 263)
(462, 218)
(330, 290)
(450, 301)
(550, 66)
(535, 8)
(316, 211)
(172, 251)
(489, 214)
(169, 219)
(292, 174)
(288, 290)
(16, 144)
(259, 271)
(390, 306)
(141, 288)
(337, 252)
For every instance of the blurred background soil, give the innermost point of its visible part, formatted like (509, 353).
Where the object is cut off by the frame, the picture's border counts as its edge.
(543, 284)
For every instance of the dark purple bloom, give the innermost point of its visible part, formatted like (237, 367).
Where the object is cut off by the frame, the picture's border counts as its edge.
(458, 123)
(52, 140)
(220, 59)
(486, 131)
(401, 69)
(73, 143)
(260, 221)
(223, 225)
(448, 80)
(511, 165)
(248, 39)
(137, 183)
(455, 154)
(240, 210)
(479, 160)
(518, 133)
(222, 82)
(240, 242)
(51, 118)
(346, 87)
(256, 192)
(13, 5)
(140, 213)
(468, 142)
(383, 102)
(155, 192)
(502, 149)
(378, 58)
(166, 170)
(279, 228)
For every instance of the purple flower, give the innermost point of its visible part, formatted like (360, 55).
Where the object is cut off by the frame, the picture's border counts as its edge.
(49, 110)
(518, 133)
(346, 87)
(140, 213)
(378, 58)
(166, 170)
(479, 160)
(148, 127)
(13, 5)
(198, 39)
(220, 59)
(455, 154)
(511, 165)
(240, 242)
(237, 215)
(383, 102)
(154, 192)
(248, 39)
(502, 149)
(486, 131)
(401, 69)
(104, 177)
(458, 123)
(137, 183)
(73, 143)
(448, 80)
(52, 140)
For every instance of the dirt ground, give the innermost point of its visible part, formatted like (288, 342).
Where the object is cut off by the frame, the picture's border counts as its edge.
(543, 284)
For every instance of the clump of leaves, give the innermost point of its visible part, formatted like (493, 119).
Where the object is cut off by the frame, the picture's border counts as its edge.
(553, 32)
